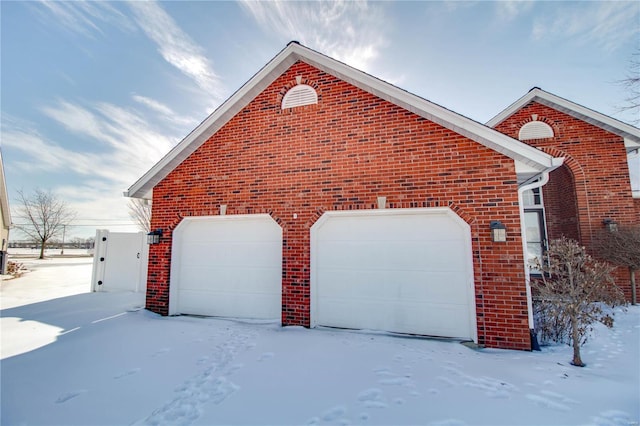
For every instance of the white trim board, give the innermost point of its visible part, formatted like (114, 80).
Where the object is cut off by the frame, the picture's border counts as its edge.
(296, 52)
(630, 133)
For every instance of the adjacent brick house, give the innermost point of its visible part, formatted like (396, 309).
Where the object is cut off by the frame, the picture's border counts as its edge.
(324, 196)
(593, 186)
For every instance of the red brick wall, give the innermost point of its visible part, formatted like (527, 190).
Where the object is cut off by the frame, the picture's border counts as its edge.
(341, 154)
(597, 161)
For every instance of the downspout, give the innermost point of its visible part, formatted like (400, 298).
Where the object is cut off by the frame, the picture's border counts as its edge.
(527, 275)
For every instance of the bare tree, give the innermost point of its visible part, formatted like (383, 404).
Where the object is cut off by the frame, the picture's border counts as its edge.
(622, 248)
(140, 212)
(632, 84)
(46, 216)
(575, 289)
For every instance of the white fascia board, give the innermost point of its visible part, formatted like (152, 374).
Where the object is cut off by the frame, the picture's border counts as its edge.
(241, 98)
(580, 112)
(631, 145)
(292, 53)
(471, 129)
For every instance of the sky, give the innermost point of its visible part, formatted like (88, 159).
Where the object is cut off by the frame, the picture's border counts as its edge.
(93, 94)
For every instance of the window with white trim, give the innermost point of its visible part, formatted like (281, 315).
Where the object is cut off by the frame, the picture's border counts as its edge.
(535, 234)
(633, 158)
(299, 95)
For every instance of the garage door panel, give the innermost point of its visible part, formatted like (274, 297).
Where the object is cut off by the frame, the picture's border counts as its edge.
(230, 229)
(232, 304)
(398, 271)
(229, 279)
(233, 254)
(227, 266)
(392, 254)
(406, 318)
(394, 284)
(358, 227)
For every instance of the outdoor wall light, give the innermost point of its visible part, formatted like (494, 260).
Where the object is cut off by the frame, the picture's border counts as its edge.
(153, 237)
(610, 224)
(498, 231)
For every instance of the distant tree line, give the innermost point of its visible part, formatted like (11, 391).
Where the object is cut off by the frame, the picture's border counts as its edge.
(74, 243)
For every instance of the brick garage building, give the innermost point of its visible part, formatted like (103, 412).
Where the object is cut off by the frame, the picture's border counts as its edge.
(324, 196)
(594, 184)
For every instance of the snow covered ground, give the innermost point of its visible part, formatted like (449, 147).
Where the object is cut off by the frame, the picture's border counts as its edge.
(70, 357)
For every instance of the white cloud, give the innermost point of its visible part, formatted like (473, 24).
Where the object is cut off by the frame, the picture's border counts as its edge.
(604, 24)
(176, 47)
(511, 9)
(120, 144)
(119, 147)
(164, 110)
(84, 17)
(350, 31)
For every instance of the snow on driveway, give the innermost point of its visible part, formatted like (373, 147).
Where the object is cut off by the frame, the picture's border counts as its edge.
(97, 358)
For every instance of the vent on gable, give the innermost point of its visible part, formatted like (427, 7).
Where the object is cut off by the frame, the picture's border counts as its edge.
(299, 95)
(535, 130)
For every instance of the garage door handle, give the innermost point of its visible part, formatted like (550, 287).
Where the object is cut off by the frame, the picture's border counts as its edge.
(138, 255)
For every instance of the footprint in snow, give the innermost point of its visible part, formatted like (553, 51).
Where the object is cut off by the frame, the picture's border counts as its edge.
(160, 352)
(265, 356)
(446, 380)
(69, 395)
(372, 398)
(382, 371)
(546, 402)
(127, 373)
(558, 397)
(234, 368)
(334, 413)
(613, 418)
(395, 381)
(448, 422)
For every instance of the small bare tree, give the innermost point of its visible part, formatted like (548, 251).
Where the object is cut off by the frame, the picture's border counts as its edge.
(632, 85)
(46, 216)
(575, 289)
(140, 212)
(622, 248)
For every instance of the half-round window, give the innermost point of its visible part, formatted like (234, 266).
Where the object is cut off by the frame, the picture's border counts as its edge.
(535, 130)
(299, 95)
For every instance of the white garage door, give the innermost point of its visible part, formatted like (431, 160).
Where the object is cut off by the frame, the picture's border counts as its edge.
(229, 266)
(399, 270)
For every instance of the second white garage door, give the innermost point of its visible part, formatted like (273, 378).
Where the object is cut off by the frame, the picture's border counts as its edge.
(399, 270)
(229, 266)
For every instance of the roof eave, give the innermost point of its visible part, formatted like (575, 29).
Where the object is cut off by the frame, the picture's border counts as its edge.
(234, 104)
(294, 52)
(580, 112)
